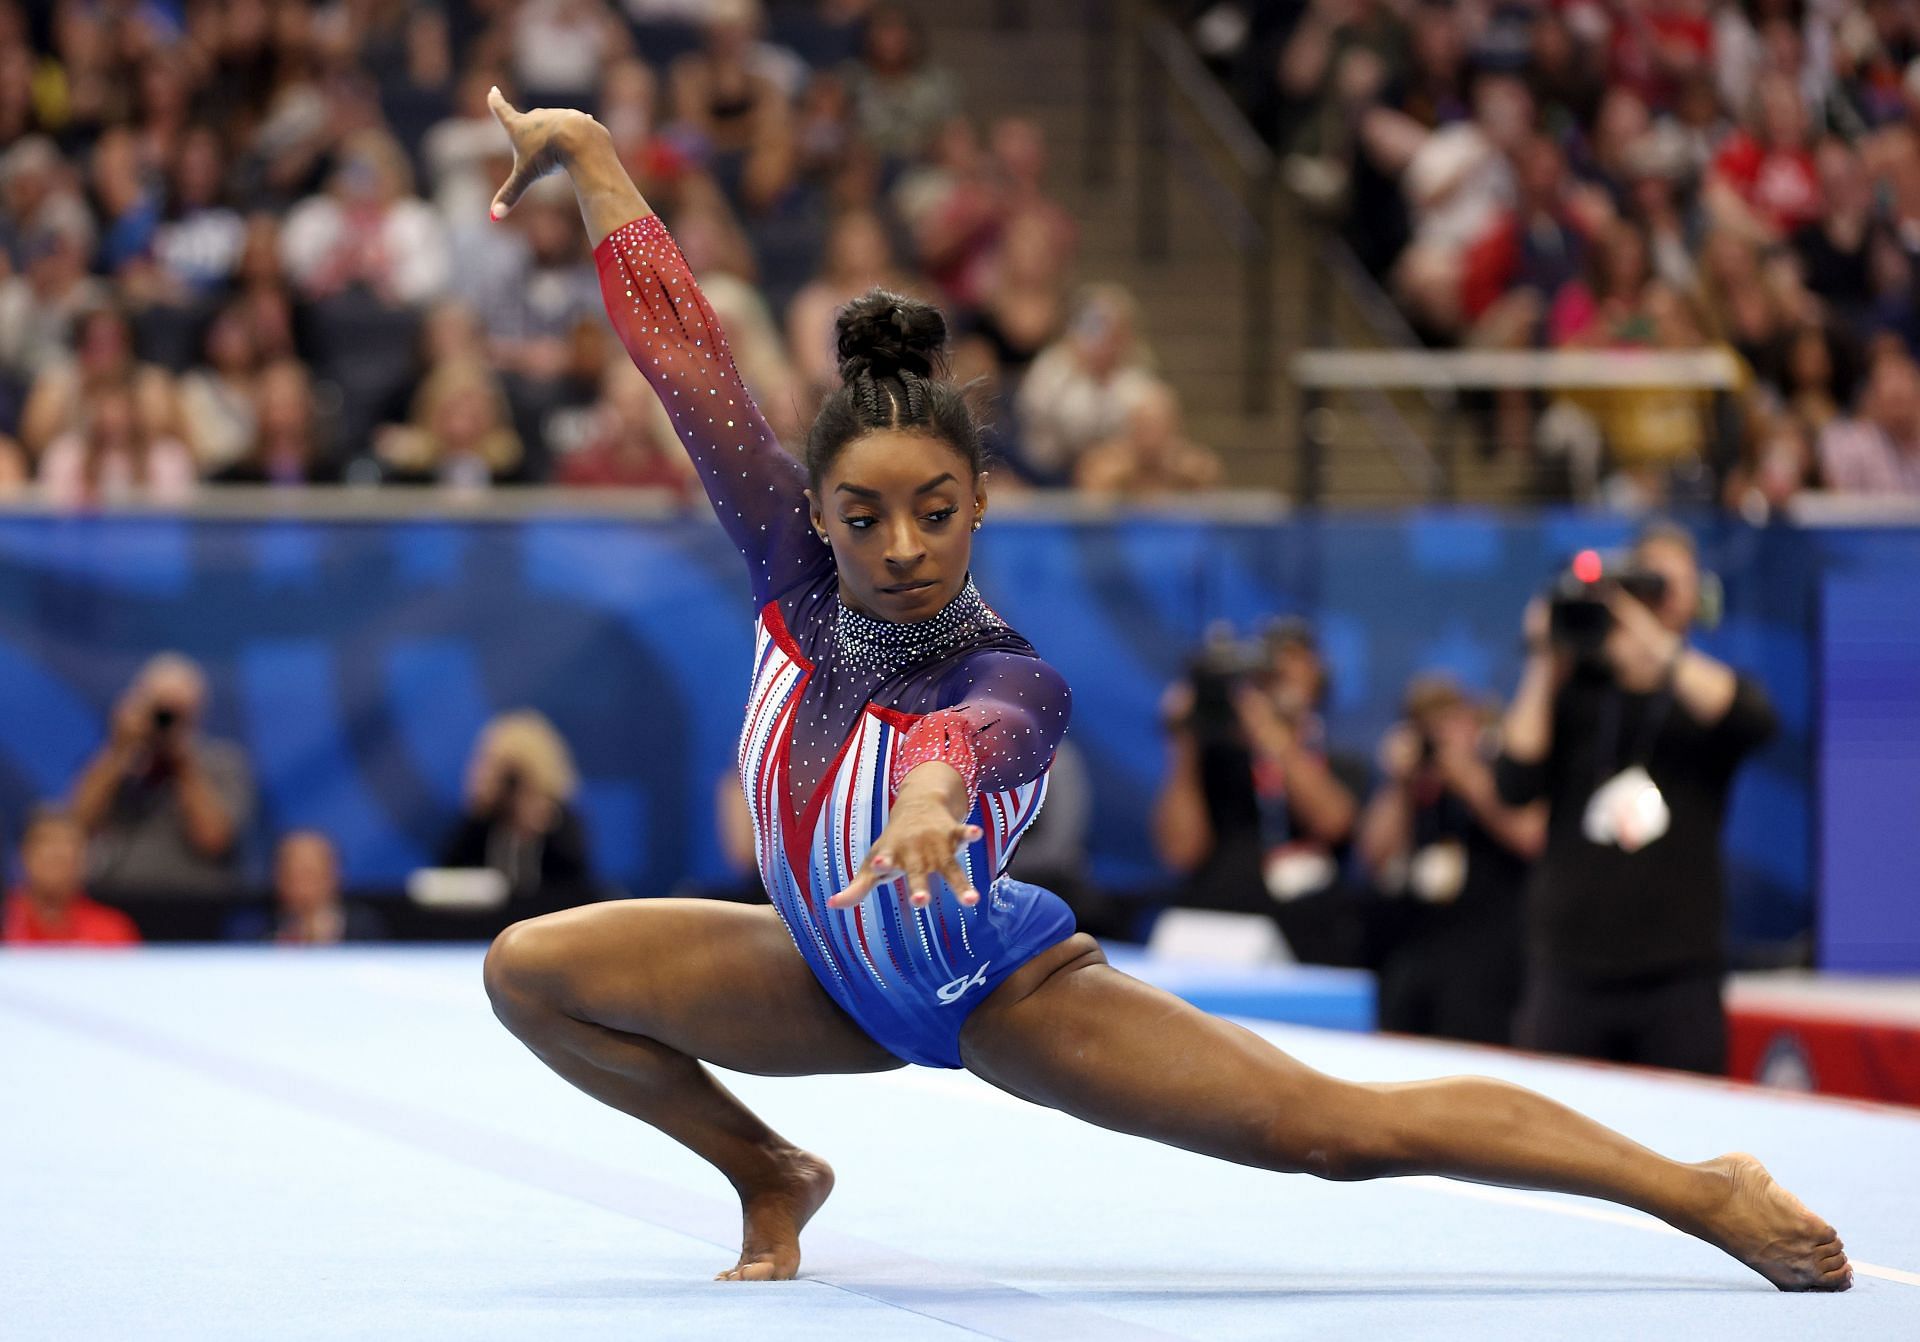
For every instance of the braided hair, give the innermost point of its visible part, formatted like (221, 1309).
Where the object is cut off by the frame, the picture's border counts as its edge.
(892, 351)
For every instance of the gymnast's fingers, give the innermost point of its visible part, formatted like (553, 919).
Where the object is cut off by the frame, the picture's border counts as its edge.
(918, 890)
(957, 881)
(876, 865)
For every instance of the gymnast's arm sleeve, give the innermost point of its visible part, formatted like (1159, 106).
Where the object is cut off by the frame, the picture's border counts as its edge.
(674, 338)
(1012, 712)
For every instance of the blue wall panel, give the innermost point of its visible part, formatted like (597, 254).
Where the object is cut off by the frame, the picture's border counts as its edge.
(357, 659)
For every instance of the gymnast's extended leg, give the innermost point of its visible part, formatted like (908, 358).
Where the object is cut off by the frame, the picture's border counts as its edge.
(626, 999)
(1071, 1032)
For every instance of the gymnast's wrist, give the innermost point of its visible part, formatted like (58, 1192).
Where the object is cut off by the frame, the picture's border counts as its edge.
(580, 137)
(936, 784)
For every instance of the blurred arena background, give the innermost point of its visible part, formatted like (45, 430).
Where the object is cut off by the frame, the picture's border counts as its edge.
(347, 560)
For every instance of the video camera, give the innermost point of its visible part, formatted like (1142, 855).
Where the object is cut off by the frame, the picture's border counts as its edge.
(1579, 618)
(1223, 664)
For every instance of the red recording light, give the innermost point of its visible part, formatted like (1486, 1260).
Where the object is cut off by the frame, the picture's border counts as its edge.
(1587, 566)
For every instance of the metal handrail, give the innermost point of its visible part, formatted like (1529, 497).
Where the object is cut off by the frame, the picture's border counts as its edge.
(1168, 70)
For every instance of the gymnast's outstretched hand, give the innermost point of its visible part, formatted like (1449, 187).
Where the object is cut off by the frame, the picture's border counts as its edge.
(548, 138)
(922, 839)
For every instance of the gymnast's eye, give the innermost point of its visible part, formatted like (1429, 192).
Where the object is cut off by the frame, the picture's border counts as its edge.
(860, 523)
(941, 516)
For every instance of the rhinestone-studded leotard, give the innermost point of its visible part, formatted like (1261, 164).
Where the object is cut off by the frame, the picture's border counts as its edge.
(841, 706)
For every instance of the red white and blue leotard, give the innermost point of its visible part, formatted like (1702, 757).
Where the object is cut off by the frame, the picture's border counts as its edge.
(841, 706)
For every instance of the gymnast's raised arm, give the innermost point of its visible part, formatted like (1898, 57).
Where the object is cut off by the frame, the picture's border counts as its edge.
(756, 487)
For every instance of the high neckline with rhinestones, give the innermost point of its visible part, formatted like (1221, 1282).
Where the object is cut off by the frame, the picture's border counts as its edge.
(894, 645)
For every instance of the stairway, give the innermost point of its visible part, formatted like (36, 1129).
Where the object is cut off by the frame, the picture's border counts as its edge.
(1191, 300)
(1193, 312)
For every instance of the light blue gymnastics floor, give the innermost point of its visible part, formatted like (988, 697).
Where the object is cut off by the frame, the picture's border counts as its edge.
(261, 1145)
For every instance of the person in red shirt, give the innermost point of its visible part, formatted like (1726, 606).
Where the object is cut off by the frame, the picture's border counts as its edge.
(49, 908)
(1768, 169)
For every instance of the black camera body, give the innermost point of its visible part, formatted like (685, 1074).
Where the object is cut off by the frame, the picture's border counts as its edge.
(1217, 674)
(1579, 619)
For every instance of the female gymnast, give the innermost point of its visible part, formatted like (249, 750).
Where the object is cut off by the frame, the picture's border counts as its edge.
(897, 741)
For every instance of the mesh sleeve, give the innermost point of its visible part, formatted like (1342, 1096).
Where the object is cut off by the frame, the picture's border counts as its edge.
(1012, 713)
(674, 338)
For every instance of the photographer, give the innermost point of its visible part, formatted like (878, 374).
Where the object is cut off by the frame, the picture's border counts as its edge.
(519, 819)
(1632, 737)
(165, 809)
(1254, 811)
(1437, 837)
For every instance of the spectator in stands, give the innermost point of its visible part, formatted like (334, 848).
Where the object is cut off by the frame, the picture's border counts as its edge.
(519, 818)
(463, 152)
(1023, 299)
(1811, 384)
(1255, 810)
(558, 48)
(129, 207)
(199, 239)
(102, 361)
(630, 110)
(858, 258)
(50, 906)
(1457, 179)
(410, 54)
(1835, 250)
(1655, 435)
(1151, 455)
(734, 97)
(1779, 466)
(900, 97)
(307, 907)
(261, 287)
(367, 230)
(626, 440)
(1531, 252)
(533, 295)
(1082, 387)
(40, 195)
(1763, 179)
(1634, 748)
(459, 434)
(285, 447)
(166, 808)
(951, 209)
(113, 457)
(1437, 837)
(1019, 150)
(1878, 452)
(219, 402)
(40, 307)
(824, 134)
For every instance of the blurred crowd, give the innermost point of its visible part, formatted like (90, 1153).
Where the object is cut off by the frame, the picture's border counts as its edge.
(1656, 174)
(246, 241)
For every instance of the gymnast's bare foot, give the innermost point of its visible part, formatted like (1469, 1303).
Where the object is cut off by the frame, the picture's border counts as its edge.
(775, 1214)
(1771, 1230)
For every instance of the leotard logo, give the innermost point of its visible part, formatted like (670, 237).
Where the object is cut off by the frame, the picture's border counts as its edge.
(953, 992)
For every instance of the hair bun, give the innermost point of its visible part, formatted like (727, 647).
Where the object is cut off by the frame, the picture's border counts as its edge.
(886, 334)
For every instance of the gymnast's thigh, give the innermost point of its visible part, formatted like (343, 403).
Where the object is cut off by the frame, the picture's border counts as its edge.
(721, 982)
(1080, 1036)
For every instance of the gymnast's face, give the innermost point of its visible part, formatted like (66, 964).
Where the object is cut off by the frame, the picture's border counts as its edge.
(899, 509)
